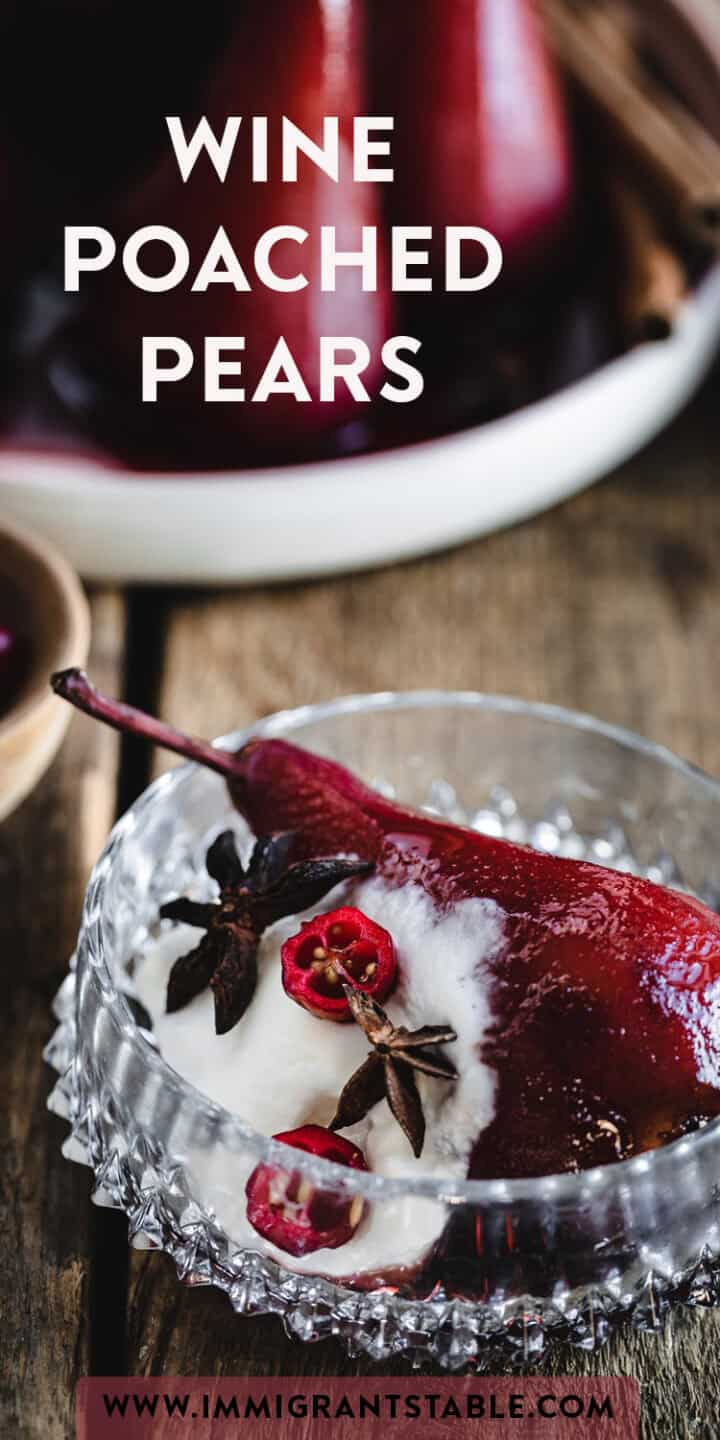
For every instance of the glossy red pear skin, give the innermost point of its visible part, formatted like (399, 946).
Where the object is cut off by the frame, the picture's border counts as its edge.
(303, 59)
(604, 1040)
(481, 132)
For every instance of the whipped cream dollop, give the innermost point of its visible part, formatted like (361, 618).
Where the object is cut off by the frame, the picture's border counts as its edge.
(282, 1067)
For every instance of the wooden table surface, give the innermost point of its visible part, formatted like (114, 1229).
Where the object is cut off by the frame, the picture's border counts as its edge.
(609, 604)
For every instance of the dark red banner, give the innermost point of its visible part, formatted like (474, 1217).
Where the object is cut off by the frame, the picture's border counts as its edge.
(394, 1409)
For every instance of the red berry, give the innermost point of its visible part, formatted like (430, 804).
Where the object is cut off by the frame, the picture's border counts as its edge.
(286, 1209)
(342, 946)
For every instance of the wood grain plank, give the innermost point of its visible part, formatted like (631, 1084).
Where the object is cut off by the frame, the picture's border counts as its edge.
(46, 850)
(610, 604)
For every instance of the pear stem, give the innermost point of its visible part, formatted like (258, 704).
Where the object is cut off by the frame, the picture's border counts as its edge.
(75, 687)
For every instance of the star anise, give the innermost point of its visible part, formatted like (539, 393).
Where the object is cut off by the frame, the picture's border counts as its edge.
(250, 900)
(388, 1072)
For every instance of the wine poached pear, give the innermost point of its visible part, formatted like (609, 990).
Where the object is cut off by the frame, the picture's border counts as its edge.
(605, 988)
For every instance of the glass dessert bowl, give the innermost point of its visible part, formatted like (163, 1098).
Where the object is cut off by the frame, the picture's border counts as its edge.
(421, 1258)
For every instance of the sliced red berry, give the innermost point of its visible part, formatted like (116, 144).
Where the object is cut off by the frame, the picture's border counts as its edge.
(342, 947)
(286, 1209)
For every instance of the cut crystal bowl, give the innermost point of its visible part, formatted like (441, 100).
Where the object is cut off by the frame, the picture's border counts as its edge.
(563, 1257)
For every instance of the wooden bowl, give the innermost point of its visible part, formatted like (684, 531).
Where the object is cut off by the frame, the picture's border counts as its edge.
(42, 598)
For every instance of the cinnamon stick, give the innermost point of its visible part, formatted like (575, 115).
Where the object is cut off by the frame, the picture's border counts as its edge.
(654, 282)
(658, 133)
